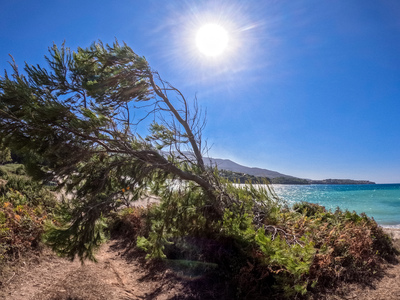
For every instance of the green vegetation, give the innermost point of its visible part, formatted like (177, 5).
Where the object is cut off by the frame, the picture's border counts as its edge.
(236, 177)
(5, 155)
(9, 170)
(106, 127)
(24, 207)
(289, 180)
(246, 178)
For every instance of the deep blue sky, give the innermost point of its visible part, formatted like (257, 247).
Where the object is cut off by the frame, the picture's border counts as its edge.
(306, 88)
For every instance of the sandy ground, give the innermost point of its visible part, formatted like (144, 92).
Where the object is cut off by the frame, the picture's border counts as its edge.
(114, 276)
(394, 232)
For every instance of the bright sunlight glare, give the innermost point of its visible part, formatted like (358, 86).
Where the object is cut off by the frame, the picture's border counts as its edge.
(212, 39)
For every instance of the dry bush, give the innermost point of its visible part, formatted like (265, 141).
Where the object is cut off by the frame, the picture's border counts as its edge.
(349, 247)
(20, 230)
(130, 223)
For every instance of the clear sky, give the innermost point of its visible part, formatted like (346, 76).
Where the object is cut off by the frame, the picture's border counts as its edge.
(306, 88)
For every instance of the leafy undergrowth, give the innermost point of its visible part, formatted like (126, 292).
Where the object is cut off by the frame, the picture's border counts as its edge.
(295, 253)
(24, 207)
(259, 249)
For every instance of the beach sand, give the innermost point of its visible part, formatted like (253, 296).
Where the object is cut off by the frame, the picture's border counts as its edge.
(393, 232)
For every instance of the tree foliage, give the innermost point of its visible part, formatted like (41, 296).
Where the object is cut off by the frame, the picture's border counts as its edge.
(85, 105)
(99, 120)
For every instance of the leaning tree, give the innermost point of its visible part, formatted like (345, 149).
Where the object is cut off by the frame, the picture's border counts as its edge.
(101, 121)
(106, 127)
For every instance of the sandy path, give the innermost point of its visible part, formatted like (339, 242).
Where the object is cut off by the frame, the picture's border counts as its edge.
(388, 288)
(111, 278)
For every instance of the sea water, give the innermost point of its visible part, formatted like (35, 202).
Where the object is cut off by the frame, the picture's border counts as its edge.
(380, 201)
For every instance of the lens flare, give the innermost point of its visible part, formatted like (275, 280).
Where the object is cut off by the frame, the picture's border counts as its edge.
(212, 39)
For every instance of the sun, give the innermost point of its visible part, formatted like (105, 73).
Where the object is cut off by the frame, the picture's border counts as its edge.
(212, 39)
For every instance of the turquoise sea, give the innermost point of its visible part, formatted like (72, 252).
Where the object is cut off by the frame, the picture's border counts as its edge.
(380, 201)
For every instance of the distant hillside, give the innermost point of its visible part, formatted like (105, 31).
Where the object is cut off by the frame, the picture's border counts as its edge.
(238, 173)
(226, 164)
(246, 178)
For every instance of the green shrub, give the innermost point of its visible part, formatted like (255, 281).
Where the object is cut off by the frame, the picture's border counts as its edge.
(20, 170)
(11, 168)
(291, 262)
(34, 193)
(308, 209)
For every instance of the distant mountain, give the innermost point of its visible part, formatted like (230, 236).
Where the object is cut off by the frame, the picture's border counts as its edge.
(235, 170)
(226, 164)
